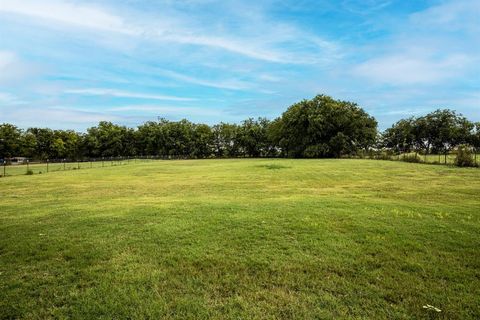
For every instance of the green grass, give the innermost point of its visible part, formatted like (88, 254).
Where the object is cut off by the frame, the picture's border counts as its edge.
(242, 239)
(41, 167)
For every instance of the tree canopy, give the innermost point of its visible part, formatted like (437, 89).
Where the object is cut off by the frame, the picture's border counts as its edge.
(324, 127)
(437, 132)
(320, 127)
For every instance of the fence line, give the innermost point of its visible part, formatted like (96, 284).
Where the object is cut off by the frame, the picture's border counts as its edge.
(439, 159)
(30, 167)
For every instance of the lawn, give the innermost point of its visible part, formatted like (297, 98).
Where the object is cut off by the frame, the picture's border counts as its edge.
(242, 239)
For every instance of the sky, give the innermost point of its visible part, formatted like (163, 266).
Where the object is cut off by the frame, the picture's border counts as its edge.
(68, 64)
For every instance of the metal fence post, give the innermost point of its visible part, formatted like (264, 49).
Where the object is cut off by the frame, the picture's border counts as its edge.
(4, 167)
(47, 165)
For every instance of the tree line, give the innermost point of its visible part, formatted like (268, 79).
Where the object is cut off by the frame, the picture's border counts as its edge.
(438, 132)
(316, 128)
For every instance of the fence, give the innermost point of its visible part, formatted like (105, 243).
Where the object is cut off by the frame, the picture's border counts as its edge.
(30, 167)
(443, 159)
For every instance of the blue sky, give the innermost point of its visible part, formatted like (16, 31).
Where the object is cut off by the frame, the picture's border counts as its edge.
(70, 63)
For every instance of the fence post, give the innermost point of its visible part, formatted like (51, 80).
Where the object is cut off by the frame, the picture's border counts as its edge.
(78, 164)
(47, 165)
(4, 167)
(28, 168)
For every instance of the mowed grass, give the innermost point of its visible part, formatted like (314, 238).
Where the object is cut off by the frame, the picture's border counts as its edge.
(242, 239)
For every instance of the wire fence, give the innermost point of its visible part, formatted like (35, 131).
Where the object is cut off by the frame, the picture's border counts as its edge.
(441, 159)
(25, 166)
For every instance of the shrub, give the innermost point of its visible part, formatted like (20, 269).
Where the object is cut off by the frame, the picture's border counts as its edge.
(383, 156)
(464, 157)
(411, 158)
(29, 172)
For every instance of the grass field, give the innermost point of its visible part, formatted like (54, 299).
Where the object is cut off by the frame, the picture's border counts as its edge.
(242, 239)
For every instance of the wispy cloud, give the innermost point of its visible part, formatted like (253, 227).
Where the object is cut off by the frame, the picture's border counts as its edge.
(169, 110)
(451, 15)
(10, 99)
(12, 68)
(68, 13)
(124, 94)
(410, 68)
(416, 54)
(60, 117)
(364, 7)
(228, 60)
(270, 45)
(221, 84)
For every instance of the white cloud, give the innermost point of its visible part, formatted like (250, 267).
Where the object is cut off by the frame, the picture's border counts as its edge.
(12, 68)
(267, 45)
(410, 68)
(69, 13)
(364, 7)
(438, 45)
(169, 110)
(124, 94)
(55, 117)
(235, 46)
(9, 99)
(6, 59)
(222, 84)
(451, 15)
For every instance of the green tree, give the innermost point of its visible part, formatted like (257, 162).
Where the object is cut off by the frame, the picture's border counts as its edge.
(10, 141)
(203, 141)
(109, 140)
(324, 127)
(226, 141)
(400, 137)
(253, 137)
(446, 130)
(58, 149)
(44, 139)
